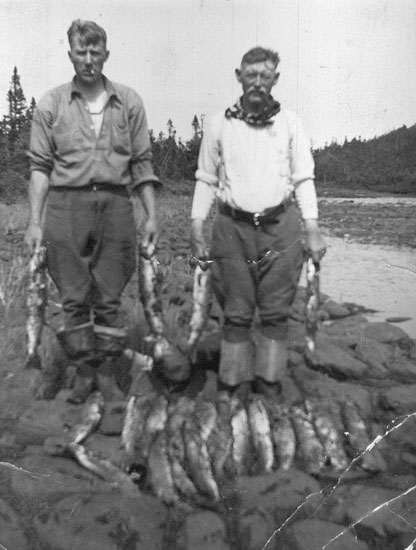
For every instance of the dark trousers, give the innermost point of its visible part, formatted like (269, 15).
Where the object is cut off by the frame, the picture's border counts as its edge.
(90, 237)
(256, 267)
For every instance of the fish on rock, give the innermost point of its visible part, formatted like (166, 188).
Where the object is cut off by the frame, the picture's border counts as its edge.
(283, 434)
(159, 473)
(309, 447)
(242, 449)
(328, 435)
(198, 461)
(261, 434)
(155, 422)
(137, 409)
(150, 289)
(206, 417)
(201, 303)
(36, 302)
(178, 414)
(370, 460)
(103, 468)
(312, 302)
(220, 440)
(89, 418)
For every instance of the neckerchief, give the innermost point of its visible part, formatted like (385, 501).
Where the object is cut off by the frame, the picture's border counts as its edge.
(254, 119)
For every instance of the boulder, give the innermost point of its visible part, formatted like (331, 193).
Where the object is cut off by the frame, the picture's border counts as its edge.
(255, 527)
(99, 521)
(11, 533)
(335, 310)
(315, 534)
(402, 369)
(376, 355)
(205, 531)
(336, 361)
(350, 328)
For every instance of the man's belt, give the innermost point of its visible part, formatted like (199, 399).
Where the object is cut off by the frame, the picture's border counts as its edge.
(268, 215)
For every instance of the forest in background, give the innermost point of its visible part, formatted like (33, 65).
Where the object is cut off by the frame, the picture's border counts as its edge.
(384, 164)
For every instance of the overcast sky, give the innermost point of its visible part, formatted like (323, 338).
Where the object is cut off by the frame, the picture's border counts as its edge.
(348, 66)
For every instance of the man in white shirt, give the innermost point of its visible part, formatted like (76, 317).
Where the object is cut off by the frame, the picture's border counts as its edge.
(254, 159)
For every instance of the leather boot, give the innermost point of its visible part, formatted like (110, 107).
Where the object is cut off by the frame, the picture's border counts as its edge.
(270, 366)
(106, 380)
(84, 383)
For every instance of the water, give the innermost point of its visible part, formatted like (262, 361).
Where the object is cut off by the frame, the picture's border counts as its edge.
(378, 277)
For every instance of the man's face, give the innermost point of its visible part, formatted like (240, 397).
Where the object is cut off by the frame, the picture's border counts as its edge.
(257, 80)
(88, 60)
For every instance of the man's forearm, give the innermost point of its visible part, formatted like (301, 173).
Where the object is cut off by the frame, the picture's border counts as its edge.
(37, 193)
(147, 195)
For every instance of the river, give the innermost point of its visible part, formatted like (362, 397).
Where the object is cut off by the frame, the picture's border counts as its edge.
(378, 277)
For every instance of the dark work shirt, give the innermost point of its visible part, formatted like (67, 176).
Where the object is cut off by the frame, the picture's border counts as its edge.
(65, 147)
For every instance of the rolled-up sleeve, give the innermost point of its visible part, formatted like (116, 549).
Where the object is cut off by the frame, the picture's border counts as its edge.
(141, 166)
(302, 170)
(41, 149)
(207, 172)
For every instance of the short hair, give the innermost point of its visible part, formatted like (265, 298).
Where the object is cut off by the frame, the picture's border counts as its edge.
(88, 31)
(259, 54)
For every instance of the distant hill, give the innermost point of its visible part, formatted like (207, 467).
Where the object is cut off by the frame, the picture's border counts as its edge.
(384, 164)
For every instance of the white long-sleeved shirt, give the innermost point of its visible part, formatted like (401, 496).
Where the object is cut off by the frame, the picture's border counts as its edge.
(254, 168)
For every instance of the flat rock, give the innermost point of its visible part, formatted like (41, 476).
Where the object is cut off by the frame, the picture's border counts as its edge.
(350, 327)
(400, 398)
(385, 332)
(205, 531)
(336, 361)
(377, 356)
(255, 526)
(315, 534)
(335, 310)
(38, 477)
(94, 521)
(279, 493)
(369, 512)
(402, 369)
(11, 533)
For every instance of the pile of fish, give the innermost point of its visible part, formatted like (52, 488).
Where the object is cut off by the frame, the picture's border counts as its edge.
(183, 449)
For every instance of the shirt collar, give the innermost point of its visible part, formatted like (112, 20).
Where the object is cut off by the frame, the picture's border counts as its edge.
(109, 86)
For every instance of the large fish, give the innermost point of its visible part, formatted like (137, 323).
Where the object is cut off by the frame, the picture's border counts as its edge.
(89, 419)
(205, 416)
(36, 301)
(201, 303)
(137, 409)
(309, 447)
(328, 435)
(312, 302)
(198, 461)
(103, 468)
(159, 472)
(283, 434)
(150, 289)
(177, 416)
(357, 434)
(242, 449)
(261, 434)
(220, 440)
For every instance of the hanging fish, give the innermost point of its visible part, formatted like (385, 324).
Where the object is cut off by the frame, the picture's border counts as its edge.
(201, 303)
(36, 301)
(150, 289)
(312, 302)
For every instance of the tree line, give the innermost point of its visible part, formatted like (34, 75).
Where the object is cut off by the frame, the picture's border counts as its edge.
(383, 164)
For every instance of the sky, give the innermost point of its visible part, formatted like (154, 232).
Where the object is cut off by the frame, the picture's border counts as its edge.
(348, 67)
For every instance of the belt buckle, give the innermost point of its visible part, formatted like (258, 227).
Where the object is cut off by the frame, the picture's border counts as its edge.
(256, 217)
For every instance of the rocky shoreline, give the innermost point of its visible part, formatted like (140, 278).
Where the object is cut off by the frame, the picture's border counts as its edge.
(52, 503)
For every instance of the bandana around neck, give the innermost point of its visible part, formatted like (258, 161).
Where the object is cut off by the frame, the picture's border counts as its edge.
(254, 119)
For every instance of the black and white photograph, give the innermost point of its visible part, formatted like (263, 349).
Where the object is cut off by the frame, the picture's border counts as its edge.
(208, 275)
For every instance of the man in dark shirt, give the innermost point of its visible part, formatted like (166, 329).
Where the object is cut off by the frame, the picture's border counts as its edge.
(89, 152)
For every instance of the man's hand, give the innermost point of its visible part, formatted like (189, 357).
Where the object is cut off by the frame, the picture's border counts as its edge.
(315, 243)
(33, 236)
(199, 248)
